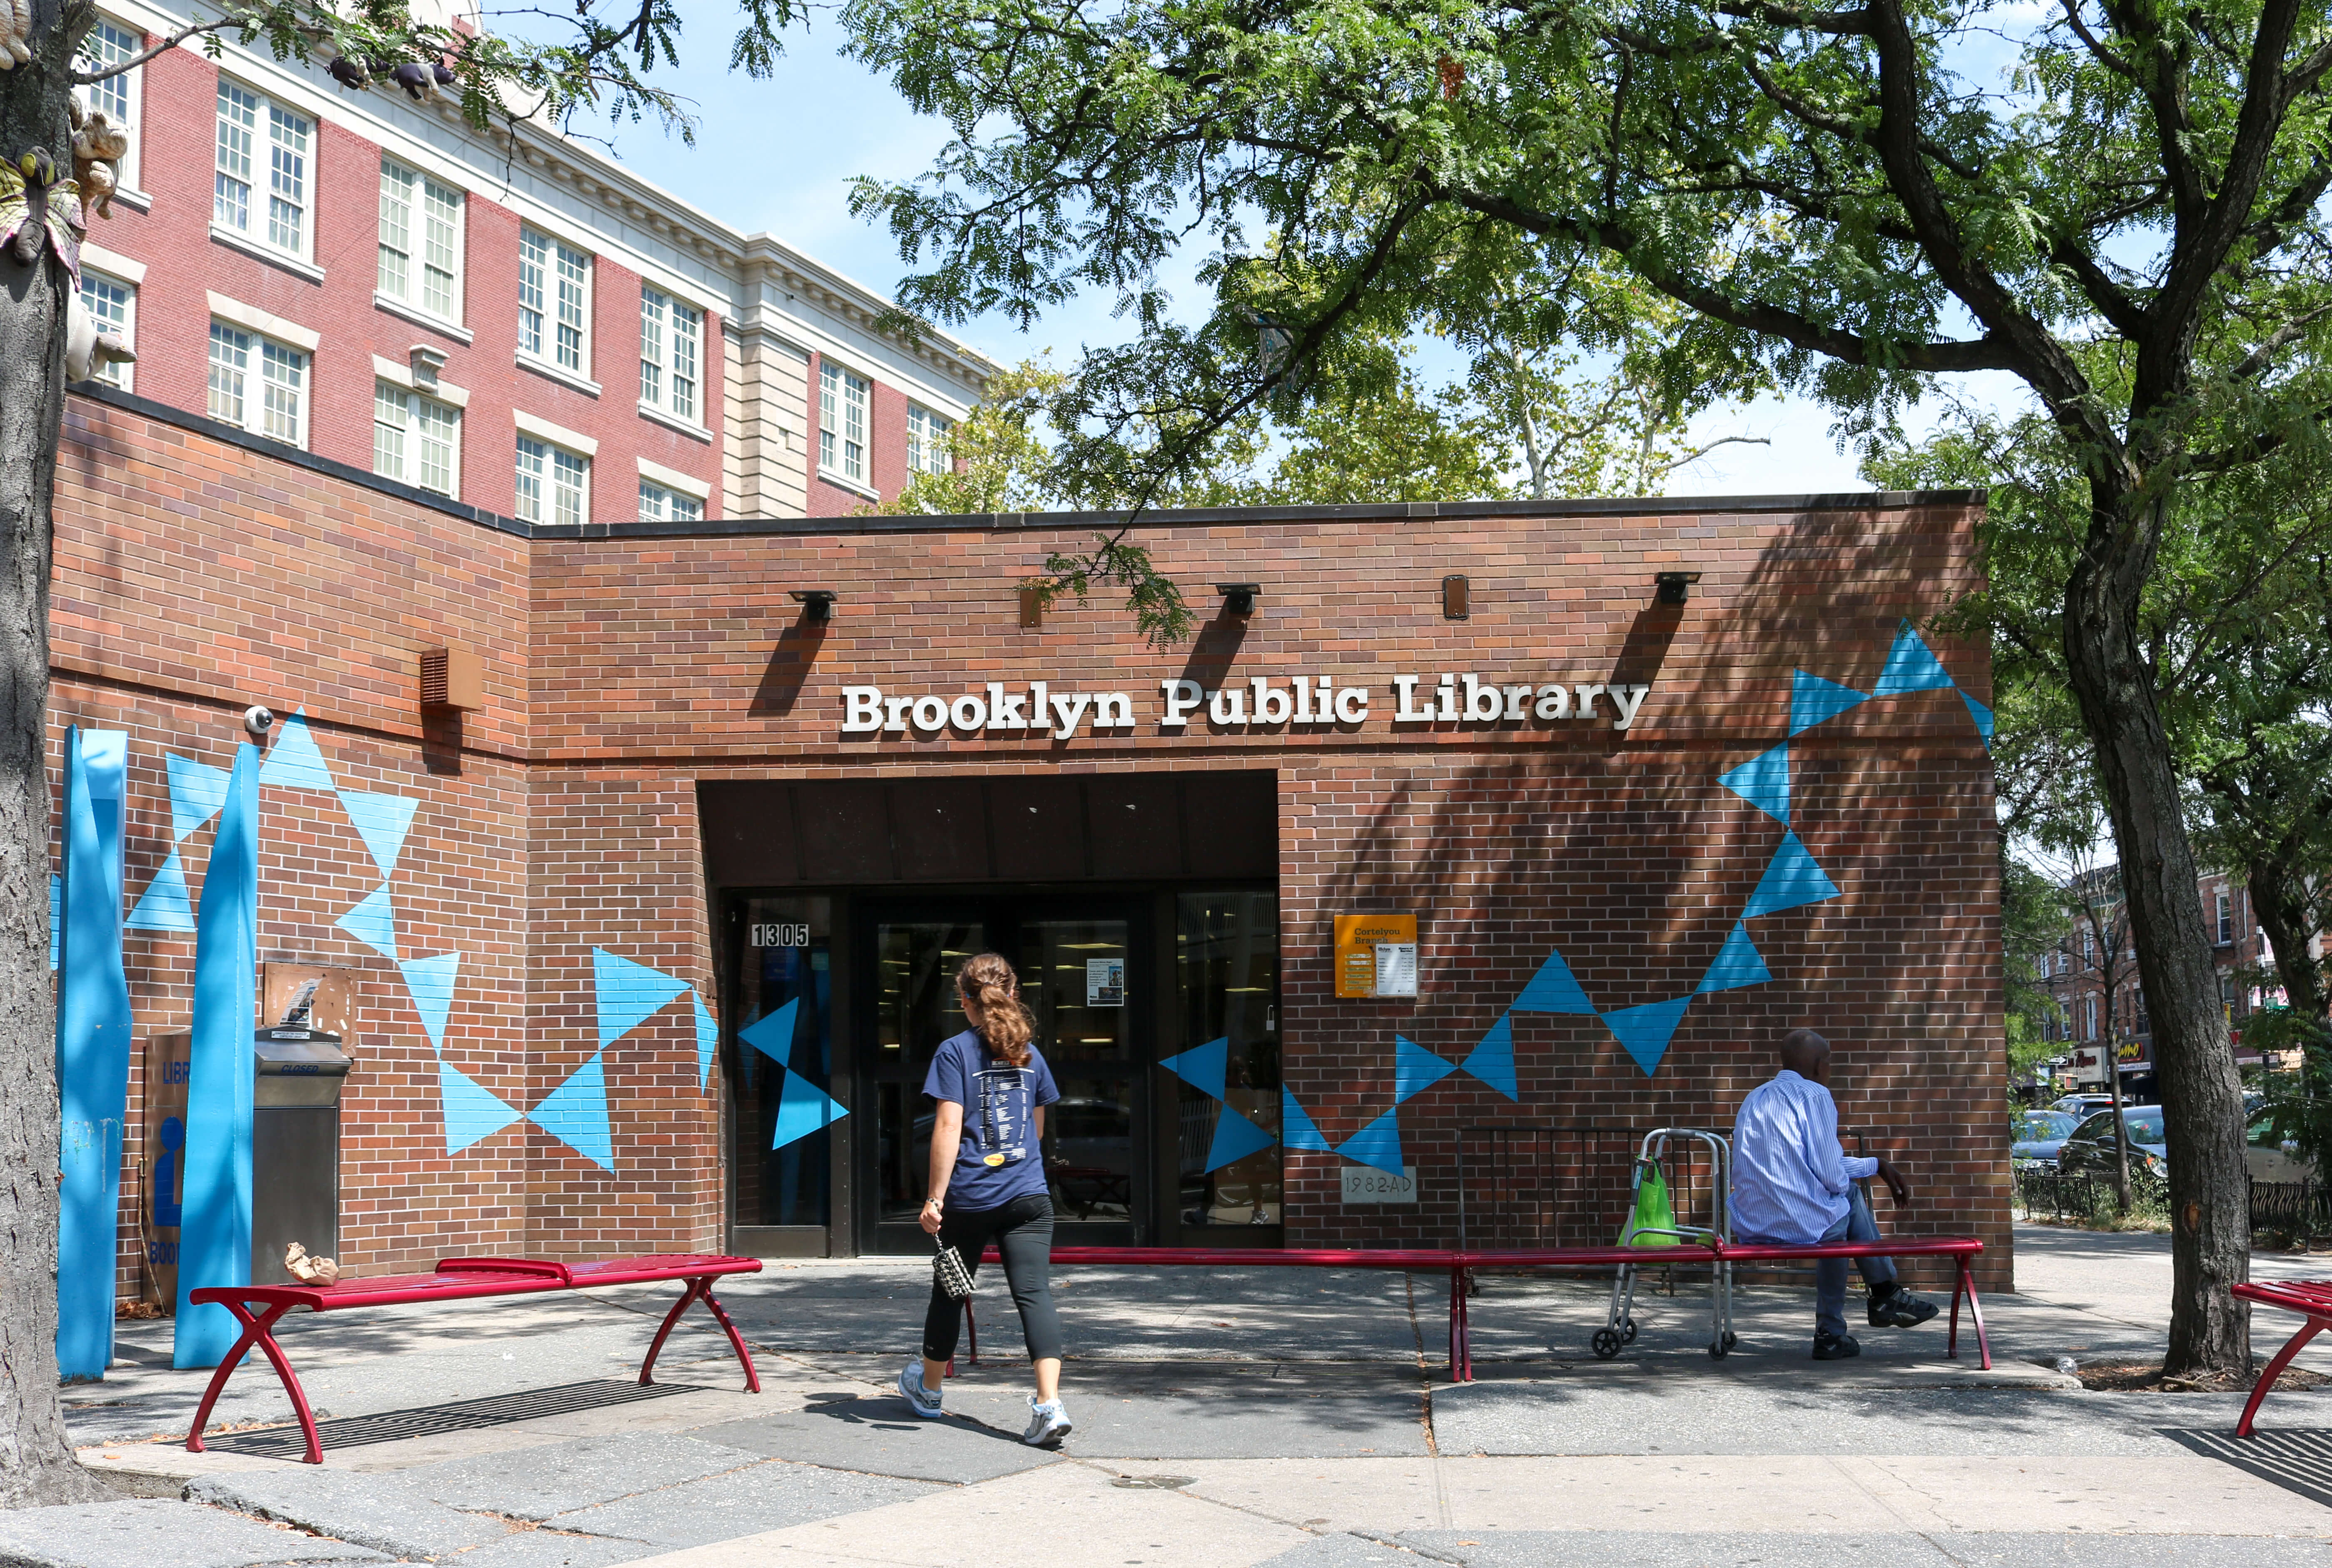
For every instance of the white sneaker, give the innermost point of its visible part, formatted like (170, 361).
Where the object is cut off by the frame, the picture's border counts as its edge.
(1048, 1424)
(922, 1399)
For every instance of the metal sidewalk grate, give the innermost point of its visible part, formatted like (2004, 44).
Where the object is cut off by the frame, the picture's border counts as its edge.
(2296, 1458)
(461, 1416)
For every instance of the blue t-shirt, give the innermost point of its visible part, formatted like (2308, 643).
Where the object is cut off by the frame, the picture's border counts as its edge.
(999, 1159)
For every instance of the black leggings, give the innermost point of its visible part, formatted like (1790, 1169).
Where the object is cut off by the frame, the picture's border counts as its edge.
(1022, 1231)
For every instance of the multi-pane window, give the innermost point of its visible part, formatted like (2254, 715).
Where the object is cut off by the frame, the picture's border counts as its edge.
(420, 242)
(416, 439)
(554, 301)
(927, 435)
(258, 384)
(261, 184)
(114, 307)
(2092, 1033)
(553, 483)
(2226, 920)
(842, 423)
(115, 97)
(658, 504)
(671, 340)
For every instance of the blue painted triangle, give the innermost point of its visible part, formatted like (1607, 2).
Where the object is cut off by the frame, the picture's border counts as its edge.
(430, 982)
(802, 1109)
(1791, 878)
(472, 1111)
(57, 913)
(1813, 699)
(1493, 1060)
(294, 759)
(708, 1040)
(372, 921)
(382, 821)
(772, 1033)
(1763, 781)
(198, 790)
(1415, 1069)
(1376, 1145)
(1644, 1031)
(1552, 990)
(1910, 667)
(165, 905)
(1297, 1129)
(1738, 963)
(576, 1114)
(1983, 717)
(628, 993)
(1236, 1138)
(1203, 1067)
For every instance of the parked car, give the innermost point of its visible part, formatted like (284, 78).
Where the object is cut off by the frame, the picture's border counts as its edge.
(2035, 1135)
(2089, 1150)
(2083, 1105)
(2271, 1159)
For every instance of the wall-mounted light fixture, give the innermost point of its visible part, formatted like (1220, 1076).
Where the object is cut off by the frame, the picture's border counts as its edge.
(1032, 606)
(453, 678)
(1239, 597)
(1675, 586)
(1456, 597)
(817, 604)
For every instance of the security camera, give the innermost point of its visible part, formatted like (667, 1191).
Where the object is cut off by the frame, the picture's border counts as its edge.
(256, 723)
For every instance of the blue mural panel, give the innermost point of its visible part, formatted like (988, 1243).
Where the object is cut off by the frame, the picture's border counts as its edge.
(1204, 1067)
(1981, 714)
(293, 759)
(430, 982)
(1236, 1138)
(576, 1114)
(1552, 990)
(1791, 878)
(1813, 699)
(1737, 963)
(1644, 1031)
(708, 1041)
(92, 1050)
(627, 994)
(198, 790)
(372, 921)
(1415, 1069)
(1376, 1145)
(771, 1034)
(382, 821)
(165, 905)
(56, 918)
(802, 1109)
(472, 1111)
(1493, 1060)
(1763, 781)
(1297, 1128)
(1910, 667)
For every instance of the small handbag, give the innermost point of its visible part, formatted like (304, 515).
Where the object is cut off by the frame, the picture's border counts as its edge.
(949, 1275)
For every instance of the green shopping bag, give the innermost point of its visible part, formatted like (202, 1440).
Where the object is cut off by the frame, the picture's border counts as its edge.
(1653, 1210)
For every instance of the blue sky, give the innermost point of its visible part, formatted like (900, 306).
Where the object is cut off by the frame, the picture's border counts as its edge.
(780, 154)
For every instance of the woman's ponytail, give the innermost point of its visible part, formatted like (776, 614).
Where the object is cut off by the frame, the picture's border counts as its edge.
(987, 981)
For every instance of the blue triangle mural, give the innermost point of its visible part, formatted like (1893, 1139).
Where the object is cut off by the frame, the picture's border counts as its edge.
(771, 1034)
(430, 982)
(1236, 1138)
(802, 1109)
(1415, 1069)
(198, 790)
(708, 1040)
(294, 759)
(472, 1111)
(165, 905)
(1297, 1129)
(1552, 990)
(1983, 717)
(1738, 963)
(1763, 781)
(1644, 1031)
(382, 821)
(1910, 667)
(1813, 699)
(576, 1114)
(372, 921)
(1376, 1145)
(1791, 878)
(1493, 1060)
(628, 994)
(1203, 1067)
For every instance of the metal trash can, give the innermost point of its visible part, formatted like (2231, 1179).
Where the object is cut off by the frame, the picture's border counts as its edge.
(295, 1146)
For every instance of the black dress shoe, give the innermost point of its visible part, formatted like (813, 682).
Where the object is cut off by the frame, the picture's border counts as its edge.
(1900, 1309)
(1835, 1346)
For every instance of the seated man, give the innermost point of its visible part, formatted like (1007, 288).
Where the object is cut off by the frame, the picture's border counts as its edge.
(1792, 1186)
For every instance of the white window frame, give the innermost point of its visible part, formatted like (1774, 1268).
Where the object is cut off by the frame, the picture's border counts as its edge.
(2226, 926)
(267, 165)
(408, 210)
(121, 96)
(115, 372)
(244, 366)
(672, 356)
(845, 412)
(407, 416)
(662, 504)
(927, 434)
(558, 479)
(557, 278)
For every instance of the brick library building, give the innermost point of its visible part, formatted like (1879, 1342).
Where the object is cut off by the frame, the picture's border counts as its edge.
(636, 790)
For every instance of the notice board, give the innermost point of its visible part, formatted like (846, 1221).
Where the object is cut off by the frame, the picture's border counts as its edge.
(1358, 938)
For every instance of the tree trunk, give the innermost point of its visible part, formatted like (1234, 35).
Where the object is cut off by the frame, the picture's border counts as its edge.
(2279, 900)
(36, 1463)
(2202, 1095)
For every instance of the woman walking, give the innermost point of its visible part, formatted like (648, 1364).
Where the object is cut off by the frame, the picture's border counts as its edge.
(987, 1185)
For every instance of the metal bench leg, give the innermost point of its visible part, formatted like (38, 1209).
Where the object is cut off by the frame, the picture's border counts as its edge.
(2291, 1347)
(260, 1332)
(1966, 1282)
(701, 1290)
(1461, 1346)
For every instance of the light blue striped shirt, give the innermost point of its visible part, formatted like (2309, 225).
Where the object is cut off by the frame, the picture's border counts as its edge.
(1790, 1177)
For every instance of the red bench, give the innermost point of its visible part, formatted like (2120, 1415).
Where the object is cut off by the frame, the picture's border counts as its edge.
(258, 1307)
(1963, 1250)
(2310, 1297)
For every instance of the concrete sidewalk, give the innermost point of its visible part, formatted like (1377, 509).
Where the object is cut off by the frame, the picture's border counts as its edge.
(1296, 1417)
